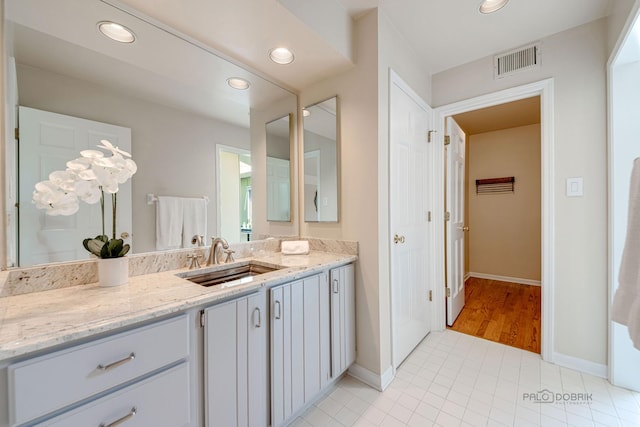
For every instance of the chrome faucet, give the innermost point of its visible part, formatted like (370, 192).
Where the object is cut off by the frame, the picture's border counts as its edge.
(216, 243)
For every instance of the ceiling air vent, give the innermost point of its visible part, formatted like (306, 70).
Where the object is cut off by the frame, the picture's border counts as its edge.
(523, 58)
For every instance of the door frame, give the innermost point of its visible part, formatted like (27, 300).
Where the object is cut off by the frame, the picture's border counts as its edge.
(544, 89)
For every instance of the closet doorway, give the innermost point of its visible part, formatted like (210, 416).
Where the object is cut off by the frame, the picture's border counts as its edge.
(502, 228)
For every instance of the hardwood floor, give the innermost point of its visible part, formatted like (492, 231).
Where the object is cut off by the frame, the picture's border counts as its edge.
(508, 313)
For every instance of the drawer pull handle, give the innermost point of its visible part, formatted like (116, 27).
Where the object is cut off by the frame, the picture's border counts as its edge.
(110, 366)
(119, 421)
(336, 286)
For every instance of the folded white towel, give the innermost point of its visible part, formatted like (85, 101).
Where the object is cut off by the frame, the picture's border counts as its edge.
(626, 302)
(169, 218)
(194, 219)
(295, 247)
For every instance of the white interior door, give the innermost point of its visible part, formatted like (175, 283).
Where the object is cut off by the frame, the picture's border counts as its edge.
(455, 153)
(409, 211)
(47, 142)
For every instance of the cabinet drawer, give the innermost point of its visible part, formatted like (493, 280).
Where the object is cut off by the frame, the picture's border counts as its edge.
(161, 400)
(44, 384)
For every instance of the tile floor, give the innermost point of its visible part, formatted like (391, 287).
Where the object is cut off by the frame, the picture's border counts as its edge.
(452, 379)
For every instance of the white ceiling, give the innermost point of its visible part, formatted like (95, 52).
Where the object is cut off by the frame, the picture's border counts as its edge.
(443, 33)
(448, 33)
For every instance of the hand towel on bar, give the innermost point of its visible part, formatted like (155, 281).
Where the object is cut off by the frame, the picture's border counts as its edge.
(294, 247)
(626, 302)
(169, 219)
(194, 219)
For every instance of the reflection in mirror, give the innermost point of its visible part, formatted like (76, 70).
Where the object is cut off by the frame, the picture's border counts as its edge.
(234, 193)
(320, 162)
(279, 169)
(173, 97)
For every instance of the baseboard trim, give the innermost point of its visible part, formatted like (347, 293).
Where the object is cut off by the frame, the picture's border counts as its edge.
(505, 279)
(379, 382)
(582, 365)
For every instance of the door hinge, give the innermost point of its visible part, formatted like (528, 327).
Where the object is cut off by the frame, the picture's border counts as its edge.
(447, 140)
(429, 216)
(447, 216)
(202, 318)
(429, 135)
(16, 133)
(448, 292)
(430, 295)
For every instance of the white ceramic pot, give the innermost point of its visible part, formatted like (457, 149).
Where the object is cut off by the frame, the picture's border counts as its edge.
(113, 271)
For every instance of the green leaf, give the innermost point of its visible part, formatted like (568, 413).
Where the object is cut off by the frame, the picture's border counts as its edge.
(94, 246)
(124, 250)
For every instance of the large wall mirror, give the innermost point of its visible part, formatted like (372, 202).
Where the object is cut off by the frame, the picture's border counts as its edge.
(169, 101)
(321, 162)
(279, 169)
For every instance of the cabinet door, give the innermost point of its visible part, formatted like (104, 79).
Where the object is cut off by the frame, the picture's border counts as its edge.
(280, 357)
(343, 344)
(222, 362)
(296, 345)
(235, 362)
(258, 361)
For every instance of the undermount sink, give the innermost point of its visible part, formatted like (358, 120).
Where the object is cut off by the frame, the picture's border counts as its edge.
(237, 273)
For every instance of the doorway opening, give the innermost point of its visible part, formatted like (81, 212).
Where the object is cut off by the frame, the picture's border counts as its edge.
(543, 90)
(502, 224)
(235, 202)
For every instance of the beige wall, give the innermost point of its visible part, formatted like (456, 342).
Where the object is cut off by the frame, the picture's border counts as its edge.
(576, 60)
(174, 150)
(504, 236)
(363, 146)
(620, 12)
(358, 141)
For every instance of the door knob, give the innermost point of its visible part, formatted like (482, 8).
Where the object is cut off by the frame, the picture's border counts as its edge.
(398, 239)
(465, 228)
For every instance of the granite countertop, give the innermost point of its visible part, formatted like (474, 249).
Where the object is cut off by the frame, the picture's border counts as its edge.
(37, 321)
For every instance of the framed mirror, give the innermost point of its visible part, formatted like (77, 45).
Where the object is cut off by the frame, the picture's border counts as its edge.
(279, 169)
(321, 162)
(177, 99)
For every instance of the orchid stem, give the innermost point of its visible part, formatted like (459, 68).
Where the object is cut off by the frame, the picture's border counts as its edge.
(114, 197)
(102, 208)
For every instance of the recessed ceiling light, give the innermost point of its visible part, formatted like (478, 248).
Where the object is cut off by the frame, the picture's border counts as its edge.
(490, 6)
(281, 55)
(116, 32)
(305, 112)
(238, 83)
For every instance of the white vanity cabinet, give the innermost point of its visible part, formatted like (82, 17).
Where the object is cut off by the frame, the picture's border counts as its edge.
(47, 385)
(236, 362)
(343, 319)
(299, 344)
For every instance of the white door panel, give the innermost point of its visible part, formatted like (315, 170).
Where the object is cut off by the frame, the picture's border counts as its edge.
(409, 199)
(456, 224)
(47, 142)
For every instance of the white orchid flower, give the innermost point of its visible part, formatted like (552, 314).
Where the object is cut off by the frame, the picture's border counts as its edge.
(88, 191)
(107, 178)
(54, 199)
(79, 164)
(115, 150)
(63, 179)
(92, 154)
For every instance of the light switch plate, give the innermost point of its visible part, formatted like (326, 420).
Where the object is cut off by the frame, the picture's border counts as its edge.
(574, 187)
